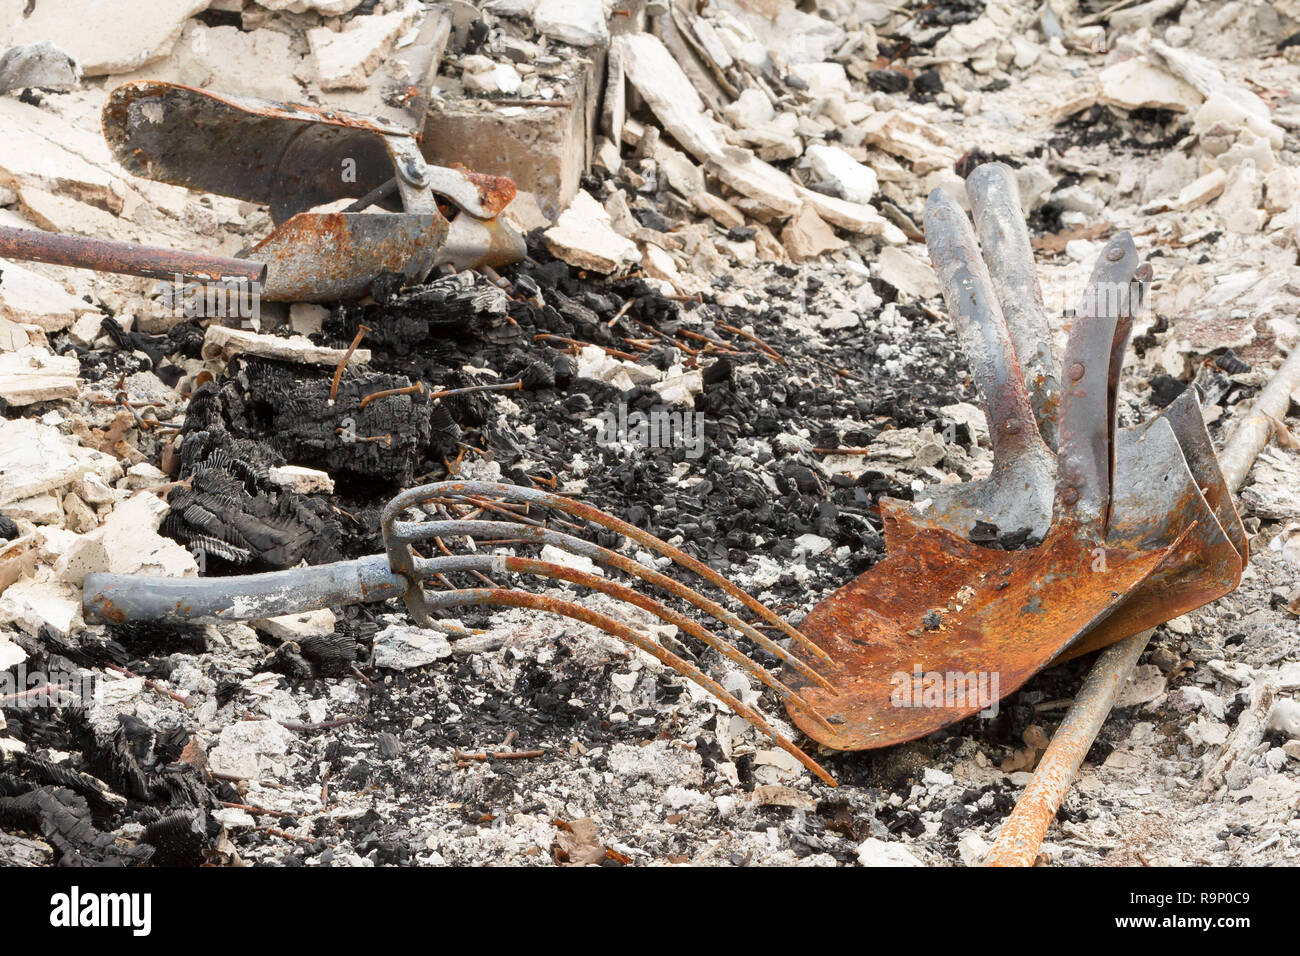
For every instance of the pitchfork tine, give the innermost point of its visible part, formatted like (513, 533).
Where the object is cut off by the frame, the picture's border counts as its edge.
(415, 496)
(500, 597)
(423, 530)
(521, 565)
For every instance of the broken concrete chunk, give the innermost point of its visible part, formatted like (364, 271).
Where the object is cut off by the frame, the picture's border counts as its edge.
(77, 515)
(1242, 199)
(36, 458)
(1225, 101)
(41, 509)
(752, 108)
(525, 212)
(719, 210)
(841, 173)
(62, 214)
(606, 156)
(807, 235)
(822, 78)
(911, 275)
(11, 655)
(222, 344)
(296, 627)
(345, 60)
(127, 543)
(1144, 685)
(304, 481)
(1139, 84)
(658, 264)
(29, 298)
(32, 604)
(596, 363)
(14, 336)
(113, 36)
(669, 93)
(873, 852)
(251, 748)
(36, 375)
(1202, 190)
(585, 238)
(576, 22)
(498, 78)
(40, 66)
(40, 149)
(403, 647)
(909, 136)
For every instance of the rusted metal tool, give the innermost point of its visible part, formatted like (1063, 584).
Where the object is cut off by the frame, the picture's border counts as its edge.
(127, 258)
(940, 604)
(1167, 482)
(296, 158)
(402, 572)
(1022, 834)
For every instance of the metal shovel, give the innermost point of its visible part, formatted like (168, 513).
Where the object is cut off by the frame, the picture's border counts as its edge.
(940, 605)
(294, 158)
(1167, 482)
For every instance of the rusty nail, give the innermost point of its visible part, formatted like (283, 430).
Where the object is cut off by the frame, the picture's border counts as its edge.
(338, 372)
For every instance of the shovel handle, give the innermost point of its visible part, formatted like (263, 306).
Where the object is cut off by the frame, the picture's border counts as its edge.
(969, 296)
(128, 258)
(1090, 386)
(1000, 222)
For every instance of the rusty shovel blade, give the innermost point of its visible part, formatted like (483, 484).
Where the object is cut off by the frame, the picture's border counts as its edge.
(1158, 501)
(984, 621)
(942, 609)
(1167, 484)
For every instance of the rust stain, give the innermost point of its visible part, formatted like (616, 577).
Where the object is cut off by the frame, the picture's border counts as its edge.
(495, 192)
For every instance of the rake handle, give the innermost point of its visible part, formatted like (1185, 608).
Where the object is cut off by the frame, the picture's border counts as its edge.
(119, 598)
(1022, 835)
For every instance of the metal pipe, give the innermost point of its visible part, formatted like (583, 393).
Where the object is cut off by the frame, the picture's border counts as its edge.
(127, 258)
(1022, 835)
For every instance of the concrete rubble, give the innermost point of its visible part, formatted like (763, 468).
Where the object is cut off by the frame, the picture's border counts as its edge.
(759, 167)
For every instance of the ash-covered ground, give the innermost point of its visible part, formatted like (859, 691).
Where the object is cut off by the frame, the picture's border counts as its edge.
(354, 737)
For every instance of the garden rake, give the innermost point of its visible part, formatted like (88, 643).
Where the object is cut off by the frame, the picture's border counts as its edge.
(403, 572)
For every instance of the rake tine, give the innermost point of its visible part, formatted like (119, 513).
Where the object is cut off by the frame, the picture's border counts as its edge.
(547, 569)
(418, 530)
(415, 496)
(494, 597)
